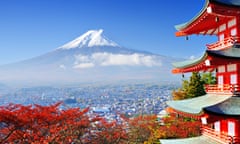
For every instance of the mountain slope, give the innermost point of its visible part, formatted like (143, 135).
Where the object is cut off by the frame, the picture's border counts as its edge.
(89, 39)
(89, 58)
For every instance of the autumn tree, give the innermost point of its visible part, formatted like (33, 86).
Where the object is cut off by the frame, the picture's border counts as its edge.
(141, 128)
(109, 132)
(178, 127)
(50, 125)
(43, 124)
(181, 93)
(146, 129)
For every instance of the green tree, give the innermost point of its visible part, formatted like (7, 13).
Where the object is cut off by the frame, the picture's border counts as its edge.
(192, 88)
(208, 78)
(195, 86)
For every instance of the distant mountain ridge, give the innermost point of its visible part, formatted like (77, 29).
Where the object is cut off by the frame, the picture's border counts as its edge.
(89, 58)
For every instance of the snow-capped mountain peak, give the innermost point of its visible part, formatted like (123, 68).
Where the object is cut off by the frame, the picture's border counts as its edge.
(89, 39)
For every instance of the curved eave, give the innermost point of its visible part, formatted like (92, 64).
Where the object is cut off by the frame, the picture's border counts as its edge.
(196, 105)
(217, 57)
(189, 64)
(205, 22)
(228, 2)
(181, 27)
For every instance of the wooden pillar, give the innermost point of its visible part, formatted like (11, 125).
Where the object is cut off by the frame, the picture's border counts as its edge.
(223, 126)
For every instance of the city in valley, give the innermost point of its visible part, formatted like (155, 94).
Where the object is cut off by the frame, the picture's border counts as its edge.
(107, 100)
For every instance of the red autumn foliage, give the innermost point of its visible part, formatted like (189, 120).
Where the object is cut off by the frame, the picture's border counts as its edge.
(109, 133)
(43, 124)
(179, 127)
(141, 128)
(37, 124)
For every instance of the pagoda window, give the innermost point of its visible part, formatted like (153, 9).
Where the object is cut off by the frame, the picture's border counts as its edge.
(221, 69)
(222, 27)
(233, 32)
(217, 126)
(221, 37)
(231, 128)
(204, 120)
(233, 79)
(231, 67)
(220, 80)
(232, 22)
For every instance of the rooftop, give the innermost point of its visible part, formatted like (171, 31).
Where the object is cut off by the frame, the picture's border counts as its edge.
(194, 140)
(216, 57)
(228, 2)
(196, 105)
(204, 22)
(229, 106)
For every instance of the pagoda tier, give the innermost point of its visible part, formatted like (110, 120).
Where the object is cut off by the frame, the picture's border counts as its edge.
(225, 64)
(209, 61)
(215, 17)
(220, 115)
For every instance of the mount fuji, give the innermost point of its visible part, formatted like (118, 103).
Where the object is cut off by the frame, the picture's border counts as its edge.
(92, 57)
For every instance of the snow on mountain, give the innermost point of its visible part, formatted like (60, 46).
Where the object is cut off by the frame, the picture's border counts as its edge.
(93, 49)
(89, 39)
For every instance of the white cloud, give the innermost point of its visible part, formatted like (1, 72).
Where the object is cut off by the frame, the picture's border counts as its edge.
(83, 65)
(109, 59)
(62, 66)
(192, 57)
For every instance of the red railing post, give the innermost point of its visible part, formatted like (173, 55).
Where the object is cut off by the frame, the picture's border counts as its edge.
(222, 89)
(220, 137)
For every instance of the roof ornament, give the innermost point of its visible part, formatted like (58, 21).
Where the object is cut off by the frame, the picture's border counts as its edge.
(216, 19)
(209, 10)
(182, 75)
(207, 62)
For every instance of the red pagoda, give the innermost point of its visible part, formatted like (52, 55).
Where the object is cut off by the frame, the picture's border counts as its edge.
(219, 109)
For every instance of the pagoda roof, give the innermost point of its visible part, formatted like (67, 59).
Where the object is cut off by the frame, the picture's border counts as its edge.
(233, 52)
(230, 106)
(216, 57)
(193, 140)
(196, 105)
(205, 21)
(228, 2)
(190, 65)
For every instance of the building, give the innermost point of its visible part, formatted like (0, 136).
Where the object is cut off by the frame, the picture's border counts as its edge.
(219, 109)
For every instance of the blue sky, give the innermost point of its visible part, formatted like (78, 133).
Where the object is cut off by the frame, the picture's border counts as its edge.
(29, 28)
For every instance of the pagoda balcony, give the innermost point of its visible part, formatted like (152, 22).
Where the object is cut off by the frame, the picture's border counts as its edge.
(220, 137)
(223, 44)
(231, 89)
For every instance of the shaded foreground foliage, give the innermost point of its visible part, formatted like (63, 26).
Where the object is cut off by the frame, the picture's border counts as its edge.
(37, 124)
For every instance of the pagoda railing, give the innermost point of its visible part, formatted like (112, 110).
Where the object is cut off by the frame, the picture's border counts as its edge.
(227, 42)
(223, 89)
(236, 140)
(218, 136)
